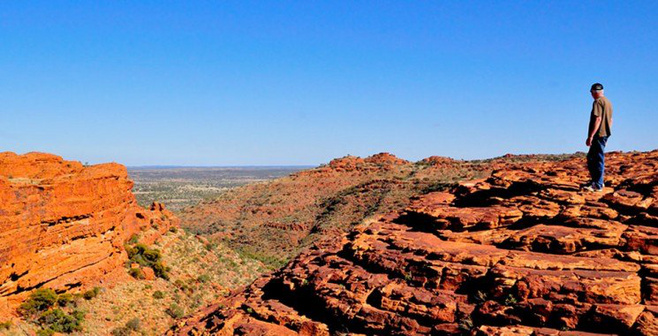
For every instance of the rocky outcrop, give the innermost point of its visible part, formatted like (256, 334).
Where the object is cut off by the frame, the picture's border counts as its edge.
(63, 225)
(522, 252)
(375, 162)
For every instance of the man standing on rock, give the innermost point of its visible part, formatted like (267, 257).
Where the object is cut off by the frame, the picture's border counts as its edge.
(600, 123)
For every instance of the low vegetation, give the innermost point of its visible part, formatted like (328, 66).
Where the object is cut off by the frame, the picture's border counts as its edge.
(181, 187)
(53, 312)
(175, 311)
(6, 325)
(92, 293)
(133, 325)
(145, 256)
(197, 276)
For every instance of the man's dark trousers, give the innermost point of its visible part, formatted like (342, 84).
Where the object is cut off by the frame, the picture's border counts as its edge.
(596, 161)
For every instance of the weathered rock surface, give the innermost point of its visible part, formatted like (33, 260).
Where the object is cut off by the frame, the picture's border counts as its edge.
(63, 225)
(522, 252)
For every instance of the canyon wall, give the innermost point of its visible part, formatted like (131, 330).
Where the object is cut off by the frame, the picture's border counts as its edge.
(63, 225)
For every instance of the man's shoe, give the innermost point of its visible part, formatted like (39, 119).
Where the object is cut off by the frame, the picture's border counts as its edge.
(586, 184)
(592, 188)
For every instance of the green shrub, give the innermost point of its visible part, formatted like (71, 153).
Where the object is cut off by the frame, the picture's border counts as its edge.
(120, 331)
(180, 284)
(136, 273)
(136, 253)
(78, 314)
(152, 255)
(59, 321)
(160, 270)
(41, 305)
(175, 311)
(40, 300)
(92, 293)
(45, 332)
(65, 299)
(147, 257)
(203, 278)
(6, 325)
(134, 324)
(158, 295)
(133, 239)
(52, 316)
(173, 229)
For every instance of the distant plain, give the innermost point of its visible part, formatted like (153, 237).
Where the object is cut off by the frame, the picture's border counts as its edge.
(179, 186)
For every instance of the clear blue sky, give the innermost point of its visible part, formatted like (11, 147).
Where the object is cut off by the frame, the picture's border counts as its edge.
(265, 82)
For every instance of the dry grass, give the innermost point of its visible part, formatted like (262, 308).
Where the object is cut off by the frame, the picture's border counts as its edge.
(200, 273)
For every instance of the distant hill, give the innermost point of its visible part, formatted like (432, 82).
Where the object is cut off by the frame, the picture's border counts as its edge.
(272, 221)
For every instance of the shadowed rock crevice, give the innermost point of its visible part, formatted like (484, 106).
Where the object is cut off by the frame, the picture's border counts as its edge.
(303, 300)
(306, 303)
(488, 197)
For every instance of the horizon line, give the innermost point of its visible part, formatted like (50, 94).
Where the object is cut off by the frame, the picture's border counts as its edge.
(165, 166)
(218, 166)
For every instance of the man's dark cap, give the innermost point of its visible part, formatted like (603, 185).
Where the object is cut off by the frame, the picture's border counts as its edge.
(596, 87)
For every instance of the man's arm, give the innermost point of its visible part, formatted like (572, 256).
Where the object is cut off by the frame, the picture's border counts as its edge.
(594, 122)
(594, 125)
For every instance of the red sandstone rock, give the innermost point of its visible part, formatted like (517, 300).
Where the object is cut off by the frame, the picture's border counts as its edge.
(63, 225)
(437, 160)
(148, 272)
(523, 252)
(385, 159)
(377, 161)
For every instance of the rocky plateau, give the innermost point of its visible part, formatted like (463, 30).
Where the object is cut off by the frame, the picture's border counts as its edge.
(522, 251)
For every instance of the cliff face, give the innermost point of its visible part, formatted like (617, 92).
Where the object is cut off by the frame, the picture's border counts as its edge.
(63, 225)
(522, 252)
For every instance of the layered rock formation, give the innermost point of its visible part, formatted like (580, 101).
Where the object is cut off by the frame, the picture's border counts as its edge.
(522, 252)
(63, 225)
